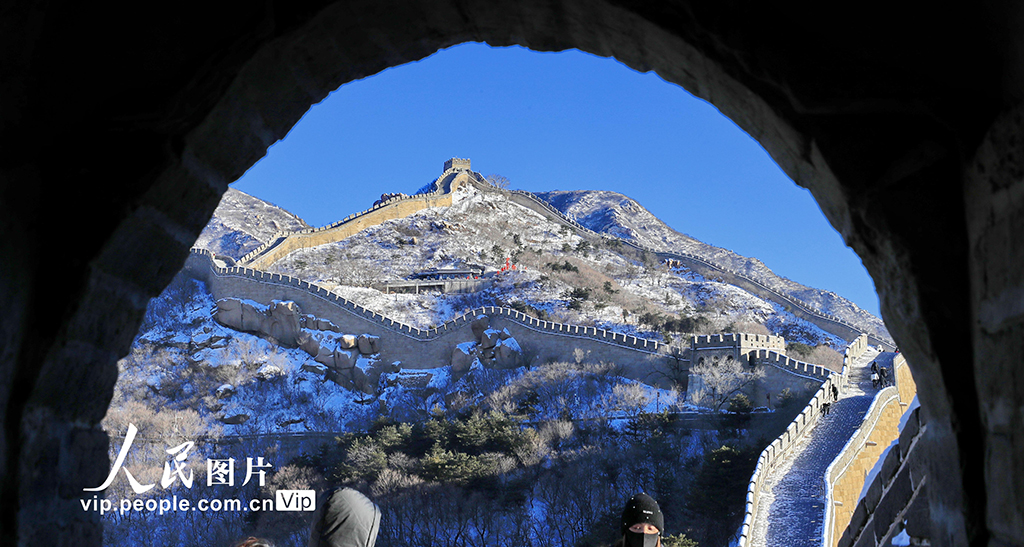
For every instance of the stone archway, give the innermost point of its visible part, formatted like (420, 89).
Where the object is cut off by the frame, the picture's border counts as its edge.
(169, 110)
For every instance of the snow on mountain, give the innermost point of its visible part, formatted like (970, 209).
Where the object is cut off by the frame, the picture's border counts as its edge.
(242, 222)
(618, 215)
(559, 274)
(183, 359)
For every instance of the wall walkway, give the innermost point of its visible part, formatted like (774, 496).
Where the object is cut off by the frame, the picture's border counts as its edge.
(846, 475)
(792, 498)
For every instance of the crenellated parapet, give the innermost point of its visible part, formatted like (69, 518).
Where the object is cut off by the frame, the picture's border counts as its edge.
(737, 346)
(231, 281)
(790, 365)
(457, 164)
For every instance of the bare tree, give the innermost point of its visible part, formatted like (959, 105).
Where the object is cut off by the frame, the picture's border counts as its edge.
(630, 398)
(718, 381)
(498, 181)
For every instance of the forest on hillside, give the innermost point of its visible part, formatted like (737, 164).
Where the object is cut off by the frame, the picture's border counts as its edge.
(473, 479)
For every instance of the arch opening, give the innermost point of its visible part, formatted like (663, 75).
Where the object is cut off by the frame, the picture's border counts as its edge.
(277, 82)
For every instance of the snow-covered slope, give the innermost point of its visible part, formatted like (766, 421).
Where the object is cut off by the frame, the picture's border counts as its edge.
(559, 274)
(242, 222)
(618, 215)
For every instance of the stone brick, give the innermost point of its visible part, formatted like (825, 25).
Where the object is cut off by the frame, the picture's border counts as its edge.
(859, 518)
(866, 538)
(917, 462)
(479, 325)
(847, 539)
(889, 466)
(910, 430)
(873, 494)
(891, 504)
(918, 515)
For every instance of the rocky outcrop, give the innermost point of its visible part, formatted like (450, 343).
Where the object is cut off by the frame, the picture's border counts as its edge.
(368, 345)
(280, 320)
(462, 359)
(493, 348)
(347, 359)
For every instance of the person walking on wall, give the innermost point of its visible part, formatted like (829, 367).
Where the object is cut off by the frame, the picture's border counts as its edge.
(835, 393)
(642, 523)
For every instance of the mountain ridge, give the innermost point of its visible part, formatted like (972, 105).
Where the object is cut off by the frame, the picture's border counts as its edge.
(602, 212)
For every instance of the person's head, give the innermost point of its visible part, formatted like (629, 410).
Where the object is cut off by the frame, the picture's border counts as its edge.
(642, 522)
(345, 518)
(254, 542)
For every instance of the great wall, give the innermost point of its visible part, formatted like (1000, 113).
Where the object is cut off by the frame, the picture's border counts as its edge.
(544, 341)
(457, 172)
(847, 519)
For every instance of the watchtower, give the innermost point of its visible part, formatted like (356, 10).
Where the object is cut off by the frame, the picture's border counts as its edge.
(461, 164)
(733, 346)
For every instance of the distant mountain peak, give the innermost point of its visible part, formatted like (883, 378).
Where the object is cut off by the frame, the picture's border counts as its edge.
(620, 216)
(242, 222)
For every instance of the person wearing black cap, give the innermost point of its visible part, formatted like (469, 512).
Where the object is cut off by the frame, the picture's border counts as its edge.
(642, 523)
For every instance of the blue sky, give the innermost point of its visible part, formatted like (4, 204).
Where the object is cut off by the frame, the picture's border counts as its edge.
(557, 121)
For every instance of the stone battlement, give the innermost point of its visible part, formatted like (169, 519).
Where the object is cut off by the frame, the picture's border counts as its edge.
(742, 341)
(263, 287)
(457, 163)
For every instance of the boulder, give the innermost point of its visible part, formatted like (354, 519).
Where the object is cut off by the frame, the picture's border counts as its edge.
(347, 341)
(267, 372)
(462, 359)
(307, 342)
(508, 354)
(490, 338)
(234, 419)
(319, 323)
(479, 325)
(283, 323)
(343, 379)
(362, 381)
(325, 357)
(344, 359)
(208, 341)
(253, 318)
(368, 344)
(224, 391)
(229, 313)
(315, 368)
